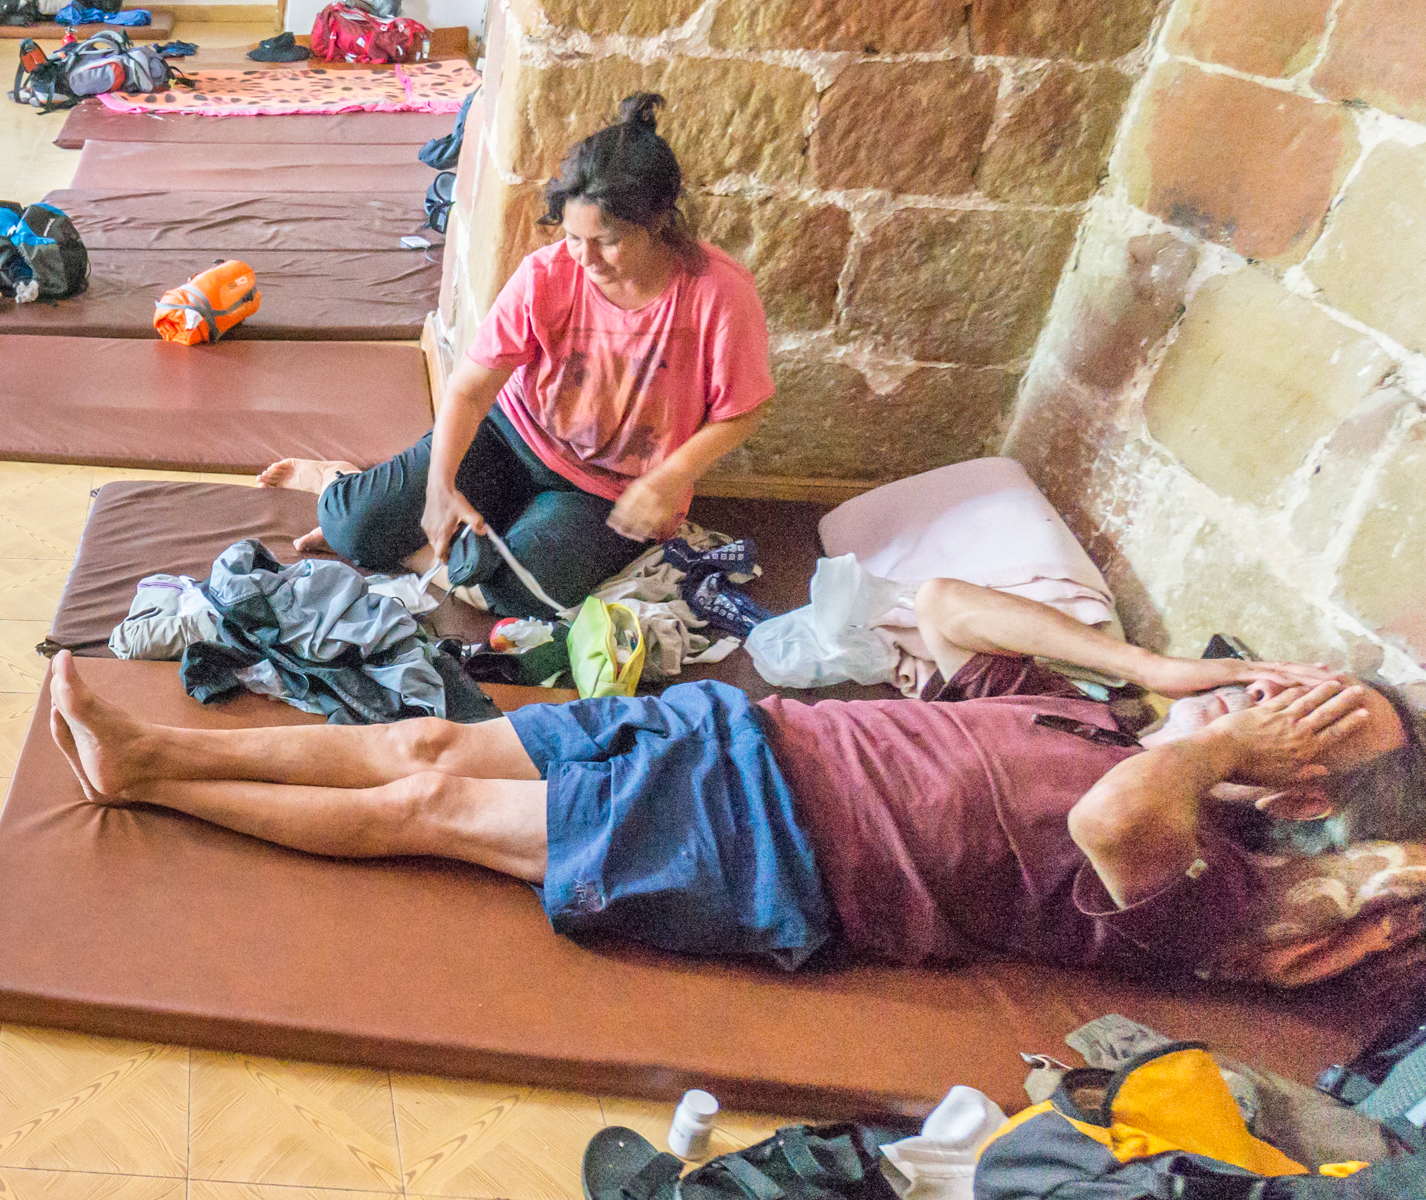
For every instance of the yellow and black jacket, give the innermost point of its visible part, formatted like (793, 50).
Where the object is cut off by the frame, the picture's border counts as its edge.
(1164, 1126)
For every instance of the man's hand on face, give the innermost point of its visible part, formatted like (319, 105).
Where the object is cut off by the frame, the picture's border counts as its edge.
(1280, 740)
(1178, 677)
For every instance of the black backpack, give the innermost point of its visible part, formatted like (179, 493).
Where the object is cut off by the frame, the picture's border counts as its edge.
(439, 198)
(1387, 1080)
(39, 246)
(443, 152)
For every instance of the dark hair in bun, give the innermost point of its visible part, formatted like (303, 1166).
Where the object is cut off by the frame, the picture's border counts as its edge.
(630, 172)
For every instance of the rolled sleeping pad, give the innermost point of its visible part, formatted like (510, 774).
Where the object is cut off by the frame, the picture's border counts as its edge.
(208, 305)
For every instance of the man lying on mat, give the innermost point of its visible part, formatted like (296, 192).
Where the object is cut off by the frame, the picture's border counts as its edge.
(614, 368)
(1016, 819)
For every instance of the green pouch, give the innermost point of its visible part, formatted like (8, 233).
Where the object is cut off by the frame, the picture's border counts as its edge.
(593, 659)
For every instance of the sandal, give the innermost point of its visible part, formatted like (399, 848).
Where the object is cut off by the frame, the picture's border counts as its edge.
(621, 1165)
(799, 1162)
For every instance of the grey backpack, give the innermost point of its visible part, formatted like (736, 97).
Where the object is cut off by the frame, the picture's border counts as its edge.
(106, 62)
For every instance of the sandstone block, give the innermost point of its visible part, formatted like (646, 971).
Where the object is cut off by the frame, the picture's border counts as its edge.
(963, 287)
(503, 230)
(1377, 54)
(940, 112)
(1117, 320)
(1060, 430)
(849, 25)
(1275, 38)
(1238, 163)
(795, 251)
(1372, 258)
(1051, 148)
(1223, 585)
(1090, 30)
(542, 111)
(1256, 376)
(635, 18)
(1341, 473)
(727, 116)
(723, 116)
(826, 422)
(1381, 577)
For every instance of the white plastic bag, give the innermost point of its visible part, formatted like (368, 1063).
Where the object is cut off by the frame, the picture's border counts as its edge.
(831, 639)
(940, 1164)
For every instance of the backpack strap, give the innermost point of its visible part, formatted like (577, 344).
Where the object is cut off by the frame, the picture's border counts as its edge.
(754, 1183)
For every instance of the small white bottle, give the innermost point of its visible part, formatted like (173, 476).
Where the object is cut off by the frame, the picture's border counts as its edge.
(692, 1126)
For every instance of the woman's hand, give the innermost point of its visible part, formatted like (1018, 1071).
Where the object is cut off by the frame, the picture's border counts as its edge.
(1178, 677)
(446, 511)
(649, 508)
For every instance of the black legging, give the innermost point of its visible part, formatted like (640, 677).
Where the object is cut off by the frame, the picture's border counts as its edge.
(556, 530)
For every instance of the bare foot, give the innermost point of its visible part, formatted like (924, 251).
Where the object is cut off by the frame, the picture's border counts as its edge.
(305, 474)
(102, 740)
(64, 739)
(312, 543)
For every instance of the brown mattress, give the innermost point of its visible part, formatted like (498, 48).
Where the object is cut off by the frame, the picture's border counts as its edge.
(91, 121)
(233, 407)
(334, 295)
(137, 528)
(141, 528)
(229, 222)
(146, 924)
(159, 29)
(196, 167)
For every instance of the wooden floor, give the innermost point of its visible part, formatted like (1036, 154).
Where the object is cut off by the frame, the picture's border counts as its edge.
(84, 1118)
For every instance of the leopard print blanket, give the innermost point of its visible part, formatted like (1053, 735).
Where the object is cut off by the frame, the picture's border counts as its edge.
(435, 87)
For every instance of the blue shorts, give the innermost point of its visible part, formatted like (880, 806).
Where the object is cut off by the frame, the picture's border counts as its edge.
(669, 822)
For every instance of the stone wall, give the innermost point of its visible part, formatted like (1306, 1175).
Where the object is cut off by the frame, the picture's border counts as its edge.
(903, 179)
(1227, 399)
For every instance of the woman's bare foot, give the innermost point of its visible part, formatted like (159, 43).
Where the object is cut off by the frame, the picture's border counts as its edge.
(305, 474)
(312, 543)
(104, 742)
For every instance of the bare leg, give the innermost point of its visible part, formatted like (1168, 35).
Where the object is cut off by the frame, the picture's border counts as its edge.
(305, 474)
(497, 823)
(117, 752)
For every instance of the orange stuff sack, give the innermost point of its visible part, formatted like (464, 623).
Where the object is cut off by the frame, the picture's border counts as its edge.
(208, 305)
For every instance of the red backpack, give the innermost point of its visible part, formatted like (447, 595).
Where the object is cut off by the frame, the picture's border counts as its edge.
(342, 33)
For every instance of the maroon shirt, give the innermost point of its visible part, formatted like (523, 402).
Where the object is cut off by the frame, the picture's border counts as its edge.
(940, 827)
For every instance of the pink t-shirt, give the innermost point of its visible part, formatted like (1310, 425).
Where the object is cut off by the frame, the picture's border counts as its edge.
(602, 394)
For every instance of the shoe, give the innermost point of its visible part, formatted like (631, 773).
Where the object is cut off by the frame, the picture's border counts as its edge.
(471, 560)
(176, 49)
(282, 48)
(724, 607)
(737, 559)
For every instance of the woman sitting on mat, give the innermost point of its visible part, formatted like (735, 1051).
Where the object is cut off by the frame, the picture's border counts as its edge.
(613, 370)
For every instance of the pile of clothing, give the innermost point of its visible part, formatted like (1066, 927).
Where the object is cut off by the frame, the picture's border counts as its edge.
(682, 591)
(312, 634)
